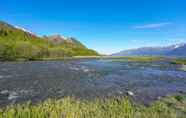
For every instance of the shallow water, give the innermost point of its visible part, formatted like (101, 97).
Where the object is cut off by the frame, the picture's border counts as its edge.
(89, 79)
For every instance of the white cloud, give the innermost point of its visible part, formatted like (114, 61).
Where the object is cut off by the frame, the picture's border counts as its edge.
(152, 26)
(177, 40)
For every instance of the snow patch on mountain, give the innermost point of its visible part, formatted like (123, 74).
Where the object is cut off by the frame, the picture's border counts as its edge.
(178, 45)
(23, 29)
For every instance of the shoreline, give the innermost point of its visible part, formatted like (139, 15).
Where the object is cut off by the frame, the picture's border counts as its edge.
(172, 60)
(169, 107)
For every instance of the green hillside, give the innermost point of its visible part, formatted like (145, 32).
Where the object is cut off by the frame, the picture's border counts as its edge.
(16, 44)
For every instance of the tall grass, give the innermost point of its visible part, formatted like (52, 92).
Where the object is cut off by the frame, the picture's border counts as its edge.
(179, 61)
(142, 59)
(111, 108)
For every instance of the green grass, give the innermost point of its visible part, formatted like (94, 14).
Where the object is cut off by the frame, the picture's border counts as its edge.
(137, 59)
(170, 107)
(179, 61)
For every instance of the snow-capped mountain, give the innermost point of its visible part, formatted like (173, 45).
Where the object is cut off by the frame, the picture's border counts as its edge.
(23, 29)
(178, 51)
(172, 50)
(178, 45)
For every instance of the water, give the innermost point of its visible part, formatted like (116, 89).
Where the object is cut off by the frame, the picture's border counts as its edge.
(89, 79)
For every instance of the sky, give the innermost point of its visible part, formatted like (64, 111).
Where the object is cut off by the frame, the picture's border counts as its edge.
(107, 26)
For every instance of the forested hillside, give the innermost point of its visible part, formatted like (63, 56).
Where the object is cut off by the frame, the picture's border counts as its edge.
(17, 43)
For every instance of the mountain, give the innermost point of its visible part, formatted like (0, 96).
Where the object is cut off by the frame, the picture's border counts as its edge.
(17, 42)
(172, 50)
(180, 51)
(8, 31)
(25, 30)
(58, 39)
(55, 39)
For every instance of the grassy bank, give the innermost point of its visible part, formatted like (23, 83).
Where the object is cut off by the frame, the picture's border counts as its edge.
(137, 59)
(171, 107)
(179, 61)
(115, 59)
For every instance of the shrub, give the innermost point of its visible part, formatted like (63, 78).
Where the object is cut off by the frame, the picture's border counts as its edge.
(7, 51)
(23, 49)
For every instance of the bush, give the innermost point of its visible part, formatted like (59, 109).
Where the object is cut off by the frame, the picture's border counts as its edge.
(59, 52)
(7, 51)
(23, 49)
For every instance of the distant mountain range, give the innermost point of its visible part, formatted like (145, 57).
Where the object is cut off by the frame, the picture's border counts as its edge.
(172, 50)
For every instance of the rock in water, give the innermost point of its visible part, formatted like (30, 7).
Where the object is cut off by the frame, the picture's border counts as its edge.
(13, 96)
(183, 67)
(4, 92)
(130, 93)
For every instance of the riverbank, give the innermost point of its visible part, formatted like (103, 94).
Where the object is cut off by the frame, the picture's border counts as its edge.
(142, 59)
(169, 107)
(129, 58)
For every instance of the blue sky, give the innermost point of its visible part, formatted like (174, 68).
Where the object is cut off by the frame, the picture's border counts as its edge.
(105, 25)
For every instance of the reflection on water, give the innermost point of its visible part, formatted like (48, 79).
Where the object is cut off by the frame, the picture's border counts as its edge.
(89, 79)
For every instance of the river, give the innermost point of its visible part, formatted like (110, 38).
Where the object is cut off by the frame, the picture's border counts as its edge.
(89, 79)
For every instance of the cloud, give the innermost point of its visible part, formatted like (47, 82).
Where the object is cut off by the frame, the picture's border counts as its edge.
(152, 26)
(177, 40)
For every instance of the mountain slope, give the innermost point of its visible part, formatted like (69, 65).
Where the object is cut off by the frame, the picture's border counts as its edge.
(8, 31)
(59, 40)
(17, 42)
(154, 51)
(181, 51)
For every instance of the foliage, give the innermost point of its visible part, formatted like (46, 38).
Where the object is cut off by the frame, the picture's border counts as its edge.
(179, 61)
(110, 108)
(136, 59)
(16, 44)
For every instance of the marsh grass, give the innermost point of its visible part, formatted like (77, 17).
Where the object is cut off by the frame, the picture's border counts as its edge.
(111, 108)
(137, 59)
(179, 61)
